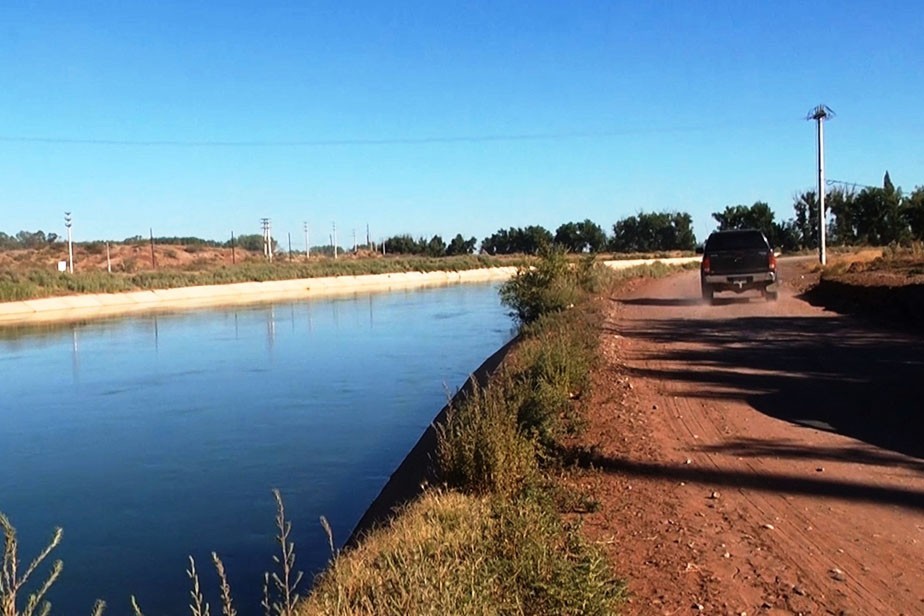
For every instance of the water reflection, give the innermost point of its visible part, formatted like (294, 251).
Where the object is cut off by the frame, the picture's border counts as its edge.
(75, 355)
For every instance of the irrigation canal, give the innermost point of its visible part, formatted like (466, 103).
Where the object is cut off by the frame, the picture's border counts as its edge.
(152, 438)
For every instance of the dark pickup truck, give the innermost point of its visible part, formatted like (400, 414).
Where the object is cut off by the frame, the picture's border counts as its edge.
(738, 261)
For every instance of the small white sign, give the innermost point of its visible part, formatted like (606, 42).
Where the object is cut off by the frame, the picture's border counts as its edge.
(62, 266)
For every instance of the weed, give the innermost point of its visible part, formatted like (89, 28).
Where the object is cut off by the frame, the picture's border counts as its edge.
(480, 446)
(12, 581)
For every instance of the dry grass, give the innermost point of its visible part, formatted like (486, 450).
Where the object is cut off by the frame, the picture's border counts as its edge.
(451, 553)
(13, 580)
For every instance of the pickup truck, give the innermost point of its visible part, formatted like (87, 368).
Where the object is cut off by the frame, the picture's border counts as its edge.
(738, 261)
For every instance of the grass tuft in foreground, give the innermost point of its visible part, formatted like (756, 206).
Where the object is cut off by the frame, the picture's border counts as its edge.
(452, 553)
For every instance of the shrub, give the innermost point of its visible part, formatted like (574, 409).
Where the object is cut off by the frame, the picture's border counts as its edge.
(547, 285)
(480, 447)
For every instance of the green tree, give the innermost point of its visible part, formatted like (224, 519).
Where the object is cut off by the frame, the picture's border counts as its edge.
(757, 216)
(805, 224)
(252, 242)
(404, 244)
(585, 236)
(461, 246)
(529, 240)
(877, 215)
(653, 232)
(436, 247)
(913, 210)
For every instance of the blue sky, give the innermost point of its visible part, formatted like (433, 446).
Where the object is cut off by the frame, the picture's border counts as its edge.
(199, 118)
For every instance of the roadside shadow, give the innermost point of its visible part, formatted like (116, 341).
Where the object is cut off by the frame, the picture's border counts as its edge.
(791, 450)
(824, 373)
(897, 307)
(761, 482)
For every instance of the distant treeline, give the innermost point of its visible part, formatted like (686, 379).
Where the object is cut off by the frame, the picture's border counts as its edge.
(872, 216)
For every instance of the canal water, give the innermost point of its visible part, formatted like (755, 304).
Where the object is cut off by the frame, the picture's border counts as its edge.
(152, 438)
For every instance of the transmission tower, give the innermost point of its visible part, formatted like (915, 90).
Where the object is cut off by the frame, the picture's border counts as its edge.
(820, 113)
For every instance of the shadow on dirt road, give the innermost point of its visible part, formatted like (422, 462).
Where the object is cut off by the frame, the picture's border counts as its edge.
(762, 482)
(825, 373)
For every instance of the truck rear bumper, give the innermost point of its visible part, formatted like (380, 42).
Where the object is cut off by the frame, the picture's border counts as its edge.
(739, 282)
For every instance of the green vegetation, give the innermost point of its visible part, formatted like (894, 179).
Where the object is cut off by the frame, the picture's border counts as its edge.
(871, 217)
(653, 232)
(434, 247)
(491, 539)
(35, 283)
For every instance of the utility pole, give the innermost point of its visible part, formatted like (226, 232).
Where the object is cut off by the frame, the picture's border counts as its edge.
(267, 238)
(307, 248)
(333, 237)
(289, 234)
(820, 113)
(70, 243)
(153, 258)
(233, 256)
(354, 241)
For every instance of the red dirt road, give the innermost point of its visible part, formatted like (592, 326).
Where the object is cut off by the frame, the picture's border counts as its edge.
(755, 457)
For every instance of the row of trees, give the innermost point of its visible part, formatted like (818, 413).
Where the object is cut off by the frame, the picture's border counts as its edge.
(27, 239)
(643, 232)
(873, 216)
(434, 247)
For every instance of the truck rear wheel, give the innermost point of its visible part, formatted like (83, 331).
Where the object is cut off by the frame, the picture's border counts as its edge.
(708, 293)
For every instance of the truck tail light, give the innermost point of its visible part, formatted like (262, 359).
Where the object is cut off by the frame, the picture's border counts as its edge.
(706, 264)
(771, 261)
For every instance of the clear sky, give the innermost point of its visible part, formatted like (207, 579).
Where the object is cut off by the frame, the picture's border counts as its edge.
(199, 118)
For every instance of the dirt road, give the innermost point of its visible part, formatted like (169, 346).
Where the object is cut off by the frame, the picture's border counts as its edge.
(757, 458)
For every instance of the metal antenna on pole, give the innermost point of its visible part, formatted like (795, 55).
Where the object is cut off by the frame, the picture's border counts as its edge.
(267, 239)
(70, 243)
(334, 237)
(820, 113)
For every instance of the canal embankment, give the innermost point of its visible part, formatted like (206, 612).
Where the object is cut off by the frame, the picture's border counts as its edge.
(100, 305)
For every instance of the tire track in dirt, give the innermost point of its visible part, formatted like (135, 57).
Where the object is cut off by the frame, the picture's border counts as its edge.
(723, 486)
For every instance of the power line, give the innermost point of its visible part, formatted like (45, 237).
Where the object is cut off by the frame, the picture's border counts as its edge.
(852, 185)
(317, 143)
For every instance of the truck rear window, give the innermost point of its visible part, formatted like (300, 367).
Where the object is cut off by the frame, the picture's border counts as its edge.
(736, 240)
